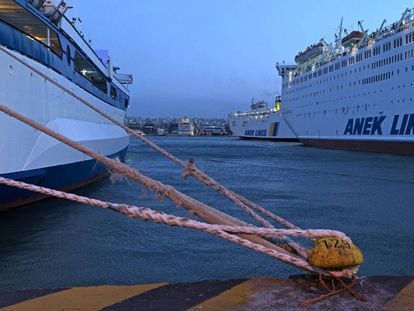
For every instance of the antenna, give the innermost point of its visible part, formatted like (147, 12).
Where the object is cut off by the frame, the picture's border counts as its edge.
(382, 25)
(339, 35)
(360, 26)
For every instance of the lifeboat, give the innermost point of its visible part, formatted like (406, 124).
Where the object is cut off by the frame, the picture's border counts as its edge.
(311, 52)
(352, 39)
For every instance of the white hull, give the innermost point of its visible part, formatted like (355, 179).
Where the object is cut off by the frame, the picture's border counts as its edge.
(24, 149)
(361, 101)
(260, 125)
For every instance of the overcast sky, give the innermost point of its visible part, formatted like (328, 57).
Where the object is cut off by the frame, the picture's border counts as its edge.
(206, 58)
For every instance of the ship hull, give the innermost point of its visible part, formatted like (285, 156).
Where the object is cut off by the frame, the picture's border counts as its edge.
(362, 101)
(393, 147)
(34, 157)
(263, 125)
(63, 177)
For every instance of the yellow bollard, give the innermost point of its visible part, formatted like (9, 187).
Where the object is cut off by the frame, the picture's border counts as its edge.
(334, 253)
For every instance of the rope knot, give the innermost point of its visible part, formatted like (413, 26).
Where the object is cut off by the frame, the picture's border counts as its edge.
(190, 169)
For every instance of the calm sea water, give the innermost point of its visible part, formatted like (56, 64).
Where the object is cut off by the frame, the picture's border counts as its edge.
(370, 197)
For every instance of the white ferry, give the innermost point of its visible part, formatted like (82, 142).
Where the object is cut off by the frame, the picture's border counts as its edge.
(357, 93)
(37, 34)
(261, 123)
(186, 127)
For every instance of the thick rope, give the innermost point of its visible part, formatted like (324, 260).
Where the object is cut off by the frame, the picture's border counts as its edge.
(168, 191)
(195, 207)
(239, 200)
(148, 214)
(224, 232)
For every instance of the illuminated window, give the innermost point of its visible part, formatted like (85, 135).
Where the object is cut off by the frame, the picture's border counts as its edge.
(114, 93)
(32, 27)
(83, 67)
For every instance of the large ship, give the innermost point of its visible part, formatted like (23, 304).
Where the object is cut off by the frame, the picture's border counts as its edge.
(38, 40)
(185, 127)
(357, 93)
(261, 122)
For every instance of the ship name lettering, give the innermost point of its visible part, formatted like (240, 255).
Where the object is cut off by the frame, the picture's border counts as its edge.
(365, 126)
(405, 127)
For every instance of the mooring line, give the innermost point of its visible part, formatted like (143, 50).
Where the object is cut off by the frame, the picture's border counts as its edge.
(223, 231)
(195, 207)
(237, 199)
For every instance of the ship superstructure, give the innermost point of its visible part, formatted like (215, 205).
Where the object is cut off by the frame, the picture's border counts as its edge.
(261, 122)
(357, 93)
(185, 127)
(37, 34)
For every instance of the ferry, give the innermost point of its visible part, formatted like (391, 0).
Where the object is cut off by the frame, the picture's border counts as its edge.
(261, 122)
(186, 127)
(356, 93)
(37, 36)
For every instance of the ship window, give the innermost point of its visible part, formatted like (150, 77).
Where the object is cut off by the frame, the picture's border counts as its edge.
(68, 56)
(32, 27)
(113, 92)
(398, 42)
(83, 67)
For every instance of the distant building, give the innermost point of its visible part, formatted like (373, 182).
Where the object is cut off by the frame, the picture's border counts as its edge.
(173, 128)
(149, 128)
(160, 131)
(132, 123)
(213, 130)
(178, 126)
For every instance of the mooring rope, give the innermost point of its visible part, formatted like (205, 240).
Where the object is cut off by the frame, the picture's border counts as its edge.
(231, 225)
(222, 231)
(195, 207)
(190, 169)
(148, 214)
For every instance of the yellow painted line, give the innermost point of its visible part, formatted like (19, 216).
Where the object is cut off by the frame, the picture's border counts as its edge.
(83, 298)
(233, 297)
(403, 301)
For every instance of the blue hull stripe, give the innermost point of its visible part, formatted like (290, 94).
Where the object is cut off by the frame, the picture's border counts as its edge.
(56, 177)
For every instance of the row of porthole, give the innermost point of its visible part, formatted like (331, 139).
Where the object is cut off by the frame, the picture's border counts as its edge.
(365, 94)
(318, 93)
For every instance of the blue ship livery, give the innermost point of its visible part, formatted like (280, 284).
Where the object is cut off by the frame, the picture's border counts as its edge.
(401, 125)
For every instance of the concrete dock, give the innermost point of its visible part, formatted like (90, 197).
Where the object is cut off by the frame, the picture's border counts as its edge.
(382, 293)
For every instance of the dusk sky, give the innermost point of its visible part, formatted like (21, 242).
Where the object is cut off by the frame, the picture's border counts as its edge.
(207, 58)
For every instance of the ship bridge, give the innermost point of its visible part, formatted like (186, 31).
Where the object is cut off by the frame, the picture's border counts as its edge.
(285, 69)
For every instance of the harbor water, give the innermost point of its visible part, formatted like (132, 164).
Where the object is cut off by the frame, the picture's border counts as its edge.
(56, 244)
